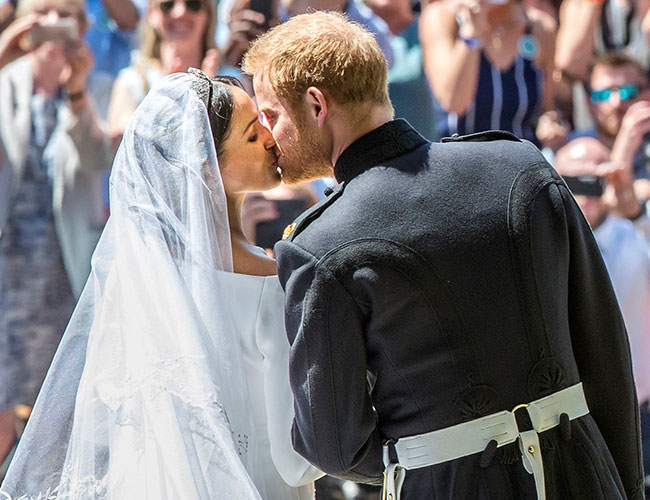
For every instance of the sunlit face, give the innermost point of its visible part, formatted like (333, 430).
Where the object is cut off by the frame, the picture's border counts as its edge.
(179, 20)
(609, 113)
(304, 150)
(248, 162)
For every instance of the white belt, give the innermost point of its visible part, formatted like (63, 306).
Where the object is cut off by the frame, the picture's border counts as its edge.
(468, 438)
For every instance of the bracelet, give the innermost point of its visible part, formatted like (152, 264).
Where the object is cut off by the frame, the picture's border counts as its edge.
(76, 96)
(473, 42)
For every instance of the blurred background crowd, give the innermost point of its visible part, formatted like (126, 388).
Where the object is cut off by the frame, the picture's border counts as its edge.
(572, 76)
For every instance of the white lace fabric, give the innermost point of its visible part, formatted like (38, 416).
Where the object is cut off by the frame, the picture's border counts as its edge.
(146, 397)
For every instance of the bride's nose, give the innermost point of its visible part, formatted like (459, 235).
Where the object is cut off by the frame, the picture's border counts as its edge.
(269, 141)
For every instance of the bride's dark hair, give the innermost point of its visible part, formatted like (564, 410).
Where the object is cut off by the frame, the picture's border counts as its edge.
(217, 97)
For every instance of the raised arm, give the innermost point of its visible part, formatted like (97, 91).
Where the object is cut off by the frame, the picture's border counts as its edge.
(450, 61)
(123, 12)
(575, 39)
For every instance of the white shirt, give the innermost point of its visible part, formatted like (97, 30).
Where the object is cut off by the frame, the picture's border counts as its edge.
(627, 257)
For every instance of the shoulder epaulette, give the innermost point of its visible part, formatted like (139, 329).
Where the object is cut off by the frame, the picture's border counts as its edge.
(312, 213)
(488, 135)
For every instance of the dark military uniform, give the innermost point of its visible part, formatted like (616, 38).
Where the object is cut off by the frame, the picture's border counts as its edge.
(444, 282)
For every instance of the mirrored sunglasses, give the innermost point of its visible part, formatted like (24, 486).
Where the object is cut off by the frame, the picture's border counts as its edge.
(166, 6)
(625, 93)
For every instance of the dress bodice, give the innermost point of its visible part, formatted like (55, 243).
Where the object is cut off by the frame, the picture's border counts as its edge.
(257, 303)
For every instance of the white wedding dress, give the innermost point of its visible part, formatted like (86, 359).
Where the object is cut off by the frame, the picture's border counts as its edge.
(257, 303)
(171, 379)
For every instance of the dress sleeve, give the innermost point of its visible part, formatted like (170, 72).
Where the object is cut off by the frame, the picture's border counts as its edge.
(274, 346)
(335, 423)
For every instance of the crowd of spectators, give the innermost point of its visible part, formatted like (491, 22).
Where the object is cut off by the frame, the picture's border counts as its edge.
(572, 76)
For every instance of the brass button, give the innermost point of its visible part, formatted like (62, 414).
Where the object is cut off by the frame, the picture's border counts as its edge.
(531, 449)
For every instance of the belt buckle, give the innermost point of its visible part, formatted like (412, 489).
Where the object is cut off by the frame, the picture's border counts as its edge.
(519, 407)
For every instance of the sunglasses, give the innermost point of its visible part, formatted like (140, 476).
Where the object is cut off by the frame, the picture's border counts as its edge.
(625, 93)
(167, 6)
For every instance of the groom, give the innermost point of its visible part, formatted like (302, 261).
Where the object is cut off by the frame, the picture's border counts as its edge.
(451, 320)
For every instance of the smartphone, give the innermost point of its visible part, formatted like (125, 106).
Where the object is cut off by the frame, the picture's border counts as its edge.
(264, 7)
(585, 185)
(269, 233)
(62, 31)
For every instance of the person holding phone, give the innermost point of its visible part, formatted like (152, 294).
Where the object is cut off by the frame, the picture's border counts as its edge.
(54, 148)
(489, 63)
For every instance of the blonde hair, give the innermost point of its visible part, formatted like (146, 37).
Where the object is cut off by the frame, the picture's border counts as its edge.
(25, 7)
(150, 40)
(324, 50)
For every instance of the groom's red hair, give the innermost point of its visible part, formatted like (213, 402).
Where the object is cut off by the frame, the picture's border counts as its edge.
(325, 50)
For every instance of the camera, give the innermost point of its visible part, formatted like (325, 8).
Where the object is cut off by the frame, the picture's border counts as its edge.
(62, 31)
(585, 185)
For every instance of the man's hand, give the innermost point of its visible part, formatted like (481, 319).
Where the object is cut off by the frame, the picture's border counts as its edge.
(10, 48)
(619, 195)
(552, 130)
(635, 124)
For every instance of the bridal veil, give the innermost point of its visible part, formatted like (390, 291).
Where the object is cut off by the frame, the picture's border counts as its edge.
(146, 396)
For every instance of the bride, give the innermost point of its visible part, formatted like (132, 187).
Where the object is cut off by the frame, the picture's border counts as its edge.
(171, 381)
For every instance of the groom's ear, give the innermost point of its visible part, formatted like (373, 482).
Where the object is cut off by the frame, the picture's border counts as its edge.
(316, 105)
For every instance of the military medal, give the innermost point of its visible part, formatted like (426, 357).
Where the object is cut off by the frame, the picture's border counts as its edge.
(288, 230)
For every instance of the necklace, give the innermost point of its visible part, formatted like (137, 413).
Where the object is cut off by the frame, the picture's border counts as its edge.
(497, 33)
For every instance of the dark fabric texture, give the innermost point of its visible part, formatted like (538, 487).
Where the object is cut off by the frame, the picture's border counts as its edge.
(443, 282)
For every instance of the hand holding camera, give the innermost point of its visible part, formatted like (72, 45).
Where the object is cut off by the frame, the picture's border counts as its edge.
(248, 20)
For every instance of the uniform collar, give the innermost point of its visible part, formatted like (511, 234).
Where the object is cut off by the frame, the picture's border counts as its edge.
(380, 145)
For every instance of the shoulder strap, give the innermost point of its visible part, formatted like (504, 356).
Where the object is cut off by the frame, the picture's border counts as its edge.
(487, 136)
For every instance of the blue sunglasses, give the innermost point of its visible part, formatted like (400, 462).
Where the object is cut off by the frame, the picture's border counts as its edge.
(625, 93)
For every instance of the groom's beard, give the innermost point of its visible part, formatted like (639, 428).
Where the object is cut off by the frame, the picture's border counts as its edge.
(305, 157)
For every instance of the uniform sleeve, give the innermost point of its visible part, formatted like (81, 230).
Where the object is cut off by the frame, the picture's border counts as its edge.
(601, 349)
(273, 344)
(334, 425)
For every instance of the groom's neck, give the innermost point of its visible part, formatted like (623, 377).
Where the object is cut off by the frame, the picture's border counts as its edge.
(348, 126)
